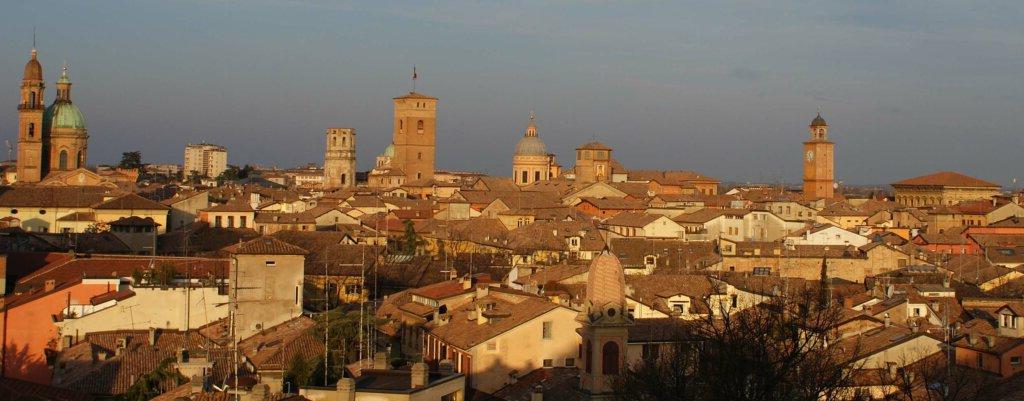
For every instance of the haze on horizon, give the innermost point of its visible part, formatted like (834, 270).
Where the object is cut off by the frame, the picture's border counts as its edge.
(726, 89)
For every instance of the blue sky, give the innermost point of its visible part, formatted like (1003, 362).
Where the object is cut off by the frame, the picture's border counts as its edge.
(725, 87)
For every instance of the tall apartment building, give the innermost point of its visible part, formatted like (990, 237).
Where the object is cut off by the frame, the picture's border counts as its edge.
(207, 159)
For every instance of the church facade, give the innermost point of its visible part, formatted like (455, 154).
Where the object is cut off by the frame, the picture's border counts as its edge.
(50, 139)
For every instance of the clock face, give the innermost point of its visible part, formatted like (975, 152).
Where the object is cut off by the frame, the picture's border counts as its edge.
(810, 155)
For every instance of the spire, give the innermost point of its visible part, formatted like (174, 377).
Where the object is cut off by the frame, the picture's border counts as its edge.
(64, 83)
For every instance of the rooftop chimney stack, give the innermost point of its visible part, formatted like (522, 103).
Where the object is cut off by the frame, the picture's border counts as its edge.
(380, 361)
(420, 375)
(346, 389)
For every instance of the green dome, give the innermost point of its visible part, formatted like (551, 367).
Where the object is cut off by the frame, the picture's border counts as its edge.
(64, 115)
(390, 150)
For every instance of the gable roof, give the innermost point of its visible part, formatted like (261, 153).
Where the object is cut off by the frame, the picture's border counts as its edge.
(130, 202)
(265, 246)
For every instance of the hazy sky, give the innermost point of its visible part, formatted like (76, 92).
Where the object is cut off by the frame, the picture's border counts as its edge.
(726, 89)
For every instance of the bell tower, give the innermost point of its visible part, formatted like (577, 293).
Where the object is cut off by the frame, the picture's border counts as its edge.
(340, 158)
(604, 329)
(415, 136)
(819, 174)
(30, 123)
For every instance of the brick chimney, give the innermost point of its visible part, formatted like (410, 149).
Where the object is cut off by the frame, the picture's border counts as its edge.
(346, 389)
(49, 285)
(420, 375)
(537, 393)
(152, 336)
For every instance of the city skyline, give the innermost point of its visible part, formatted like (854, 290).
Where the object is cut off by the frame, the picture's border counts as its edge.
(686, 94)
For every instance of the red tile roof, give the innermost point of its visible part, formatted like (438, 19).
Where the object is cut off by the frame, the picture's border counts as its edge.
(265, 246)
(947, 179)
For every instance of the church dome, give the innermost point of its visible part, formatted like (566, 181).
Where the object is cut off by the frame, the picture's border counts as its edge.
(531, 146)
(390, 150)
(33, 70)
(64, 115)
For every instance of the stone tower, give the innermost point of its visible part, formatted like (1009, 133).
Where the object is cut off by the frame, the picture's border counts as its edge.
(593, 163)
(415, 137)
(65, 128)
(532, 162)
(604, 326)
(31, 152)
(340, 158)
(819, 174)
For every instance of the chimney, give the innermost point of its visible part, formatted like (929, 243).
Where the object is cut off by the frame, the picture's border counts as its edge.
(259, 392)
(102, 355)
(49, 285)
(446, 367)
(196, 384)
(420, 375)
(380, 360)
(887, 320)
(945, 282)
(152, 336)
(537, 393)
(346, 389)
(467, 282)
(990, 341)
(893, 369)
(971, 339)
(66, 341)
(471, 315)
(482, 291)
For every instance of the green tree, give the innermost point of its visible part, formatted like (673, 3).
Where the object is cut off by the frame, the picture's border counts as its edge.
(154, 383)
(342, 328)
(131, 159)
(164, 274)
(412, 241)
(195, 178)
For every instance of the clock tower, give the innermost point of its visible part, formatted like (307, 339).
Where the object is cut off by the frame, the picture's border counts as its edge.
(819, 175)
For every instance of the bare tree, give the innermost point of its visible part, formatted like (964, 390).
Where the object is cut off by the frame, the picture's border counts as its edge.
(776, 350)
(937, 379)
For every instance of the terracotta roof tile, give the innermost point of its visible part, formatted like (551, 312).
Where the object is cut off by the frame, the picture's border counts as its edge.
(946, 178)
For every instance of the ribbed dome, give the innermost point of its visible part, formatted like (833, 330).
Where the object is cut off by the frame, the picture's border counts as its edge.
(819, 122)
(531, 146)
(606, 283)
(64, 115)
(33, 70)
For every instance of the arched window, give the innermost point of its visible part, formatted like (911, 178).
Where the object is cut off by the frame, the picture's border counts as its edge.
(419, 126)
(525, 176)
(610, 358)
(401, 125)
(334, 141)
(63, 163)
(343, 141)
(80, 160)
(536, 175)
(588, 355)
(31, 130)
(32, 102)
(343, 177)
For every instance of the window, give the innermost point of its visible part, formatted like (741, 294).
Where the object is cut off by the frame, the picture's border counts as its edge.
(571, 362)
(610, 358)
(979, 360)
(492, 346)
(401, 126)
(352, 289)
(1014, 360)
(917, 312)
(242, 221)
(734, 301)
(217, 221)
(419, 155)
(270, 263)
(63, 161)
(419, 127)
(231, 221)
(32, 100)
(42, 211)
(524, 175)
(334, 141)
(536, 175)
(31, 130)
(546, 330)
(66, 230)
(549, 363)
(343, 179)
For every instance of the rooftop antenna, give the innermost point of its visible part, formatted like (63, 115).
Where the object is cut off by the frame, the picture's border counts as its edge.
(33, 37)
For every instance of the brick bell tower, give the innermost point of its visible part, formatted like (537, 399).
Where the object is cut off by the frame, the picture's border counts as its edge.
(30, 123)
(819, 173)
(604, 329)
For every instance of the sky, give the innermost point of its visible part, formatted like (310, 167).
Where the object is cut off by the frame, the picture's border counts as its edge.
(725, 88)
